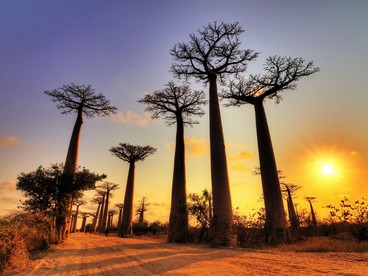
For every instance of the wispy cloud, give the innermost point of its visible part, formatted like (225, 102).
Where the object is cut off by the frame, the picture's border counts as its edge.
(194, 147)
(8, 141)
(7, 186)
(130, 117)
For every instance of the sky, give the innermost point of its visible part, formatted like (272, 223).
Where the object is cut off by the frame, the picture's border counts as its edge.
(122, 49)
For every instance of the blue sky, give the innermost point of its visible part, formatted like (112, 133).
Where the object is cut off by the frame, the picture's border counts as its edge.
(122, 49)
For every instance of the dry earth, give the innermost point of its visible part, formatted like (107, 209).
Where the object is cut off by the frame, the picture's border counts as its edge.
(99, 255)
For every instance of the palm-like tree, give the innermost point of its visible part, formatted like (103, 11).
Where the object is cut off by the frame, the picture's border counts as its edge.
(310, 199)
(77, 203)
(214, 53)
(176, 104)
(281, 74)
(131, 154)
(83, 100)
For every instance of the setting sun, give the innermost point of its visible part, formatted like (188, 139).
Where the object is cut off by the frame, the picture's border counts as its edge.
(328, 169)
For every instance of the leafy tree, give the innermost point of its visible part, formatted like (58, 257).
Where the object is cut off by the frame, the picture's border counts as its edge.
(131, 154)
(214, 52)
(200, 207)
(176, 104)
(281, 74)
(108, 187)
(44, 190)
(83, 100)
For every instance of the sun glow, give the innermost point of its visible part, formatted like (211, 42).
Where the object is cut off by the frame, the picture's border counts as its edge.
(328, 169)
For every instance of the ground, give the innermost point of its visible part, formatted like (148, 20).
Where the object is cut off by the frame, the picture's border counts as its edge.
(99, 255)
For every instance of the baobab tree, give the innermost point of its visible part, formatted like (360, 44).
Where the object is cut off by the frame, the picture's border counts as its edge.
(214, 53)
(131, 154)
(83, 100)
(289, 190)
(77, 203)
(281, 74)
(107, 187)
(177, 105)
(120, 207)
(98, 201)
(142, 207)
(100, 215)
(84, 216)
(312, 214)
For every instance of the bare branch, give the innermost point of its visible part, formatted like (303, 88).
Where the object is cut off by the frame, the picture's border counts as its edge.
(174, 101)
(71, 97)
(130, 153)
(281, 73)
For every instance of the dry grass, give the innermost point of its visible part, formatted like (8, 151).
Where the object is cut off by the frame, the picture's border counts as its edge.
(323, 244)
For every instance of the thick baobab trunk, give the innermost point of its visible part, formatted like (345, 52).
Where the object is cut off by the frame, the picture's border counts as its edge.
(126, 227)
(104, 223)
(221, 225)
(70, 167)
(178, 223)
(294, 222)
(275, 226)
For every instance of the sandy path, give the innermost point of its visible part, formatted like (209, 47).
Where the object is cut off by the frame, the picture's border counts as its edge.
(98, 255)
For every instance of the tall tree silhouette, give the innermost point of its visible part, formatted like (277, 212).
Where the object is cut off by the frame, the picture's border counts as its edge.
(98, 201)
(142, 207)
(84, 216)
(177, 105)
(131, 154)
(313, 215)
(281, 74)
(107, 187)
(120, 206)
(214, 52)
(100, 215)
(289, 190)
(83, 100)
(77, 203)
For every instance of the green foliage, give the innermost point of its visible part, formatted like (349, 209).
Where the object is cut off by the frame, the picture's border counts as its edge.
(200, 208)
(45, 189)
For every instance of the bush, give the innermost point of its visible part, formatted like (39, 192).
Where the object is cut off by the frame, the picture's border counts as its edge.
(20, 235)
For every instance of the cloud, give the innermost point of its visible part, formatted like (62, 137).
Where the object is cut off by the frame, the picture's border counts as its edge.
(243, 155)
(130, 117)
(7, 186)
(8, 141)
(240, 167)
(194, 147)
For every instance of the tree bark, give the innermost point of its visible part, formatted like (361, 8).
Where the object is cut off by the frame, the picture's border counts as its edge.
(275, 226)
(314, 220)
(178, 223)
(74, 227)
(294, 223)
(70, 167)
(100, 217)
(126, 222)
(94, 223)
(104, 223)
(222, 208)
(119, 219)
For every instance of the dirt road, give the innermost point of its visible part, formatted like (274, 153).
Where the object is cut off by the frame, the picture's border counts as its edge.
(99, 255)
